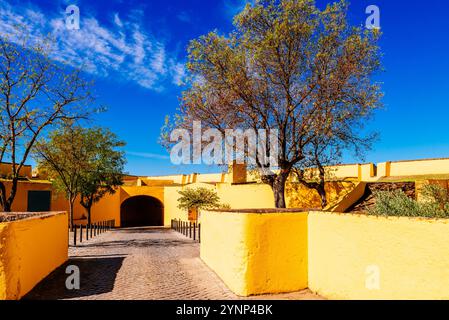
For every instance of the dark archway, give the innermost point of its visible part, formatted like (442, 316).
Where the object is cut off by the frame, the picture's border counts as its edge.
(142, 211)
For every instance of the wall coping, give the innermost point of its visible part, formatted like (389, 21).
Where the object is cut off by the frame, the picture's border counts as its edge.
(380, 217)
(262, 211)
(25, 216)
(420, 160)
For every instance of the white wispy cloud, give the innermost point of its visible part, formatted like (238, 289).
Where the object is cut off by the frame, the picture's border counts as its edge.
(184, 17)
(122, 49)
(117, 20)
(148, 155)
(233, 7)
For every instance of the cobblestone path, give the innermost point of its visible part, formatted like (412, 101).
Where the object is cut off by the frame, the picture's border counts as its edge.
(141, 264)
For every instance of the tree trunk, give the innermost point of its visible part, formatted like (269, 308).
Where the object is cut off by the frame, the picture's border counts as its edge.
(279, 190)
(89, 219)
(3, 197)
(71, 205)
(322, 193)
(7, 202)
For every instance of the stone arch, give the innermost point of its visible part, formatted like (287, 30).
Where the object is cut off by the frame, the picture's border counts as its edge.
(142, 211)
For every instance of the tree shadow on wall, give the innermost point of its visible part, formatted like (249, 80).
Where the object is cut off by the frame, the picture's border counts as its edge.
(97, 276)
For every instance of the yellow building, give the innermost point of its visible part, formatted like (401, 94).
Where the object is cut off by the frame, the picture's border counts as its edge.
(152, 201)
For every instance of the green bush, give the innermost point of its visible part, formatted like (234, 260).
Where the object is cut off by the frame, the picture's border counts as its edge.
(200, 198)
(397, 203)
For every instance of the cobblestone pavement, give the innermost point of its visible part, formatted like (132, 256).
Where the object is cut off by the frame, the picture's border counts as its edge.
(141, 264)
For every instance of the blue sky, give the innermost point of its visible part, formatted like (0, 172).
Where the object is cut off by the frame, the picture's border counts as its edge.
(136, 50)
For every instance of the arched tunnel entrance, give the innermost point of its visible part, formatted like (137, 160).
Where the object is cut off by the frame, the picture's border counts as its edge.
(142, 211)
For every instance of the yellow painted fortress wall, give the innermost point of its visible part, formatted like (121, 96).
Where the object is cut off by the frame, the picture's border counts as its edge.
(244, 196)
(215, 177)
(20, 203)
(255, 196)
(337, 172)
(29, 251)
(256, 253)
(299, 196)
(345, 171)
(6, 169)
(412, 256)
(355, 193)
(175, 178)
(108, 208)
(171, 210)
(419, 167)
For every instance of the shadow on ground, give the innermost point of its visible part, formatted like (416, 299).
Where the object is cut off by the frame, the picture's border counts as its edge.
(97, 276)
(144, 243)
(157, 230)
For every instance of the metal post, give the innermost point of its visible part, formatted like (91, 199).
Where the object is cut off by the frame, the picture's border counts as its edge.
(87, 232)
(190, 230)
(194, 231)
(81, 233)
(199, 232)
(74, 236)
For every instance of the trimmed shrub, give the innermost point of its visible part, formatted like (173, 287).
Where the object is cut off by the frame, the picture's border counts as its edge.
(200, 198)
(397, 203)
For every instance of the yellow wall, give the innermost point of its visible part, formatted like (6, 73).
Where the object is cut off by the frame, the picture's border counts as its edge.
(244, 196)
(256, 196)
(29, 251)
(20, 203)
(256, 253)
(419, 167)
(347, 251)
(6, 169)
(356, 192)
(299, 196)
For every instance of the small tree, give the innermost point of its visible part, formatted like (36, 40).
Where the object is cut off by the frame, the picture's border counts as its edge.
(199, 198)
(35, 95)
(64, 158)
(103, 172)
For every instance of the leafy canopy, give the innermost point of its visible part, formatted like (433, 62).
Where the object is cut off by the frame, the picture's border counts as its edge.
(199, 198)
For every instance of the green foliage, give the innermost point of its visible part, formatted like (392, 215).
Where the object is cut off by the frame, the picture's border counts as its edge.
(104, 170)
(397, 203)
(82, 162)
(200, 198)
